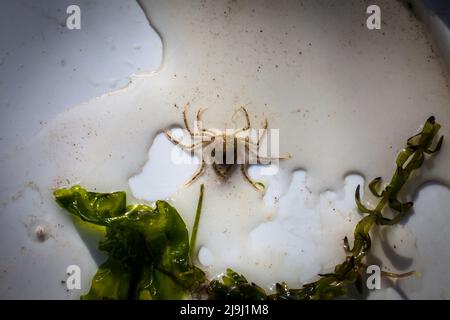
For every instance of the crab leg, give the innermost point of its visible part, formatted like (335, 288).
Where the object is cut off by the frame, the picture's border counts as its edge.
(204, 133)
(247, 141)
(247, 119)
(196, 175)
(284, 157)
(187, 147)
(264, 128)
(186, 124)
(260, 158)
(199, 120)
(256, 185)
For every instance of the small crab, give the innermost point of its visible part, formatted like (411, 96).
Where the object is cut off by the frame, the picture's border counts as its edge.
(243, 146)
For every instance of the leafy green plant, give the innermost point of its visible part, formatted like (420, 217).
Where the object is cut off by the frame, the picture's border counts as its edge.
(150, 256)
(147, 247)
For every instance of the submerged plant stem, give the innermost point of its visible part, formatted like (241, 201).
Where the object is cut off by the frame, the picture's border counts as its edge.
(196, 223)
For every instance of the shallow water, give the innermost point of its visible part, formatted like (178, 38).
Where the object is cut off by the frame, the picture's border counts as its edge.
(344, 98)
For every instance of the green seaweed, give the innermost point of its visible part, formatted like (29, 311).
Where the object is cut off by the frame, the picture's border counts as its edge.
(147, 248)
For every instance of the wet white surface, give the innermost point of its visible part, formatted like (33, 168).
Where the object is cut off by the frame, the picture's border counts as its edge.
(46, 68)
(295, 236)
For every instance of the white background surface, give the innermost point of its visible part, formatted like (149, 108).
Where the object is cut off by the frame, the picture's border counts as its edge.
(45, 68)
